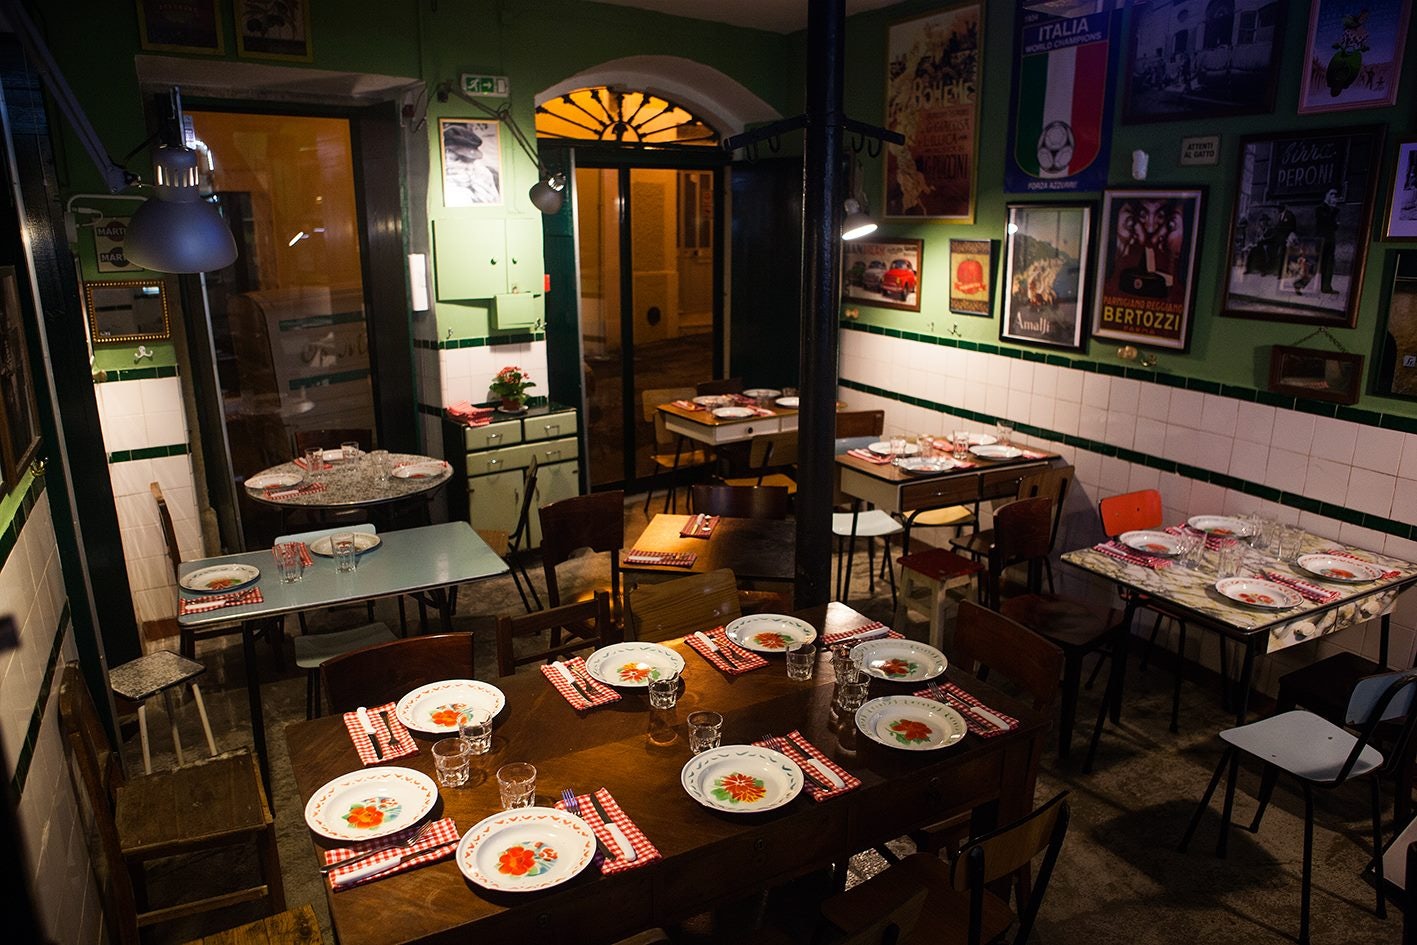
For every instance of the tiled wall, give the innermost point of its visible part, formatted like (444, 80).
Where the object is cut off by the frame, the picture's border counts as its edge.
(1206, 452)
(456, 370)
(32, 589)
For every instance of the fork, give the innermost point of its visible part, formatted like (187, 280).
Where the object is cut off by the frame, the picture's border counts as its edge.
(573, 807)
(580, 673)
(422, 832)
(779, 744)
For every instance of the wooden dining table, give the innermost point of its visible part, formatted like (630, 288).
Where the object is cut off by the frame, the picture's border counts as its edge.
(708, 857)
(753, 549)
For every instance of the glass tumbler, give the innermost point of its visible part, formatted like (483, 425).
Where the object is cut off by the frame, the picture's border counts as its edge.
(475, 727)
(1005, 434)
(349, 451)
(961, 444)
(851, 696)
(345, 552)
(664, 692)
(705, 731)
(516, 784)
(452, 759)
(314, 462)
(288, 562)
(380, 460)
(801, 660)
(897, 447)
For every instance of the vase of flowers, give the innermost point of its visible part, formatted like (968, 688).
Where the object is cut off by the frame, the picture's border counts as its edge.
(510, 385)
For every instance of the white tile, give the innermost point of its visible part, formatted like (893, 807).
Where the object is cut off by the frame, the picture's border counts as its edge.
(1408, 468)
(1124, 395)
(1021, 375)
(1019, 406)
(122, 398)
(1149, 437)
(975, 396)
(1334, 439)
(1154, 401)
(996, 370)
(1045, 380)
(1087, 466)
(1359, 537)
(1254, 422)
(132, 477)
(1040, 410)
(122, 432)
(1319, 525)
(1186, 407)
(996, 400)
(1213, 450)
(976, 369)
(1116, 473)
(1287, 470)
(1218, 414)
(1093, 424)
(1067, 416)
(954, 391)
(1206, 498)
(1096, 390)
(1327, 481)
(1404, 501)
(173, 472)
(1121, 429)
(1249, 460)
(166, 428)
(160, 393)
(1370, 492)
(1379, 449)
(1070, 383)
(1181, 444)
(1403, 548)
(1143, 477)
(1293, 430)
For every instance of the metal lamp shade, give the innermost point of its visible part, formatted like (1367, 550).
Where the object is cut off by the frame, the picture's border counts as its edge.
(176, 230)
(546, 196)
(857, 225)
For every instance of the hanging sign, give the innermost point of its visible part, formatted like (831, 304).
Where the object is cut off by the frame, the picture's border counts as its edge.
(109, 235)
(485, 86)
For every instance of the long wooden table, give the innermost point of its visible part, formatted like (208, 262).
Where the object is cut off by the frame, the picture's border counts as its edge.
(753, 549)
(637, 753)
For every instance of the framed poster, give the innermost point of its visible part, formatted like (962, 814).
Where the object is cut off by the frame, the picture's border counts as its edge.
(1335, 376)
(1396, 372)
(1354, 54)
(933, 69)
(472, 162)
(1402, 202)
(882, 271)
(972, 277)
(19, 418)
(1045, 274)
(1147, 254)
(1299, 229)
(1060, 118)
(1183, 67)
(187, 26)
(274, 29)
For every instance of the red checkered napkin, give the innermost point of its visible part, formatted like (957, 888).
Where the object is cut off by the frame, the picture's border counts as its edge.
(304, 549)
(201, 605)
(300, 461)
(796, 747)
(762, 411)
(1313, 592)
(699, 526)
(869, 457)
(688, 405)
(601, 693)
(1212, 542)
(868, 631)
(964, 703)
(307, 489)
(669, 559)
(467, 413)
(645, 852)
(405, 746)
(438, 843)
(746, 660)
(1339, 553)
(1121, 552)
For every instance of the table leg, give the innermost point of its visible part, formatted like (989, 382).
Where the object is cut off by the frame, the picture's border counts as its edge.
(1116, 679)
(1247, 679)
(258, 715)
(1385, 624)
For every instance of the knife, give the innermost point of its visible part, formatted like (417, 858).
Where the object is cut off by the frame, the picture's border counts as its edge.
(714, 648)
(362, 714)
(344, 879)
(833, 779)
(979, 710)
(865, 635)
(627, 849)
(574, 683)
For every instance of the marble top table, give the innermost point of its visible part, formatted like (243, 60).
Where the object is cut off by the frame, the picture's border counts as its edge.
(352, 483)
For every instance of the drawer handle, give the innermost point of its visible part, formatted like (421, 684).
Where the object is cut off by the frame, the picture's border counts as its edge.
(747, 429)
(553, 429)
(493, 437)
(760, 844)
(493, 461)
(553, 454)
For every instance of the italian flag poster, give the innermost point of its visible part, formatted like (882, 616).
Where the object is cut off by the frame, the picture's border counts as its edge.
(1061, 113)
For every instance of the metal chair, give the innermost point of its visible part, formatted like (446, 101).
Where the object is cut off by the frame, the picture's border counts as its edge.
(769, 454)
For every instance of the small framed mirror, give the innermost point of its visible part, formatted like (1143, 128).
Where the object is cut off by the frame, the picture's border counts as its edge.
(127, 311)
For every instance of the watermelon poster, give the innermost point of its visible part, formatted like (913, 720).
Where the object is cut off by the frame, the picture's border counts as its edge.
(1061, 114)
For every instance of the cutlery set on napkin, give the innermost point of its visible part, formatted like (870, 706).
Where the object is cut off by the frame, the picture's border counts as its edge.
(1340, 553)
(1309, 591)
(287, 492)
(576, 685)
(201, 605)
(981, 720)
(1121, 552)
(378, 741)
(723, 653)
(346, 867)
(623, 845)
(874, 630)
(698, 526)
(668, 559)
(824, 777)
(869, 457)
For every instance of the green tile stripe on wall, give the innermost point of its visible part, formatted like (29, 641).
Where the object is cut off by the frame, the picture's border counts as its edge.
(41, 703)
(1372, 418)
(1326, 509)
(514, 338)
(149, 452)
(136, 374)
(19, 511)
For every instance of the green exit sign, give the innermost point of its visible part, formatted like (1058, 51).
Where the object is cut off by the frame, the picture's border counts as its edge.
(489, 86)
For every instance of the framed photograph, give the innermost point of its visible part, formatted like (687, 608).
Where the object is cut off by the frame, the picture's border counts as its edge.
(1354, 54)
(1402, 202)
(19, 418)
(472, 162)
(1147, 254)
(1396, 373)
(882, 271)
(273, 29)
(1299, 229)
(972, 277)
(1045, 274)
(933, 70)
(186, 26)
(1318, 375)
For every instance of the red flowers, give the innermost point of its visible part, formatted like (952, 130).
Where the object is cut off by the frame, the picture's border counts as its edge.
(516, 861)
(897, 667)
(364, 816)
(909, 731)
(634, 672)
(447, 715)
(740, 788)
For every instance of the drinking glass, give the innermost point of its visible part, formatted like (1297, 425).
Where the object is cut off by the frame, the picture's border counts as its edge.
(927, 445)
(664, 691)
(288, 562)
(1229, 560)
(961, 444)
(1291, 543)
(380, 459)
(314, 462)
(346, 557)
(851, 696)
(349, 451)
(516, 784)
(897, 446)
(842, 661)
(1004, 432)
(705, 731)
(452, 759)
(801, 659)
(1193, 551)
(475, 727)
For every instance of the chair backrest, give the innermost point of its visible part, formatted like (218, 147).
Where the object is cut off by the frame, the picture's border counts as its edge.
(332, 438)
(860, 423)
(589, 624)
(770, 502)
(655, 612)
(769, 451)
(1384, 697)
(723, 385)
(987, 640)
(169, 534)
(1022, 532)
(1130, 511)
(1053, 483)
(387, 671)
(514, 540)
(1006, 851)
(884, 916)
(649, 406)
(595, 521)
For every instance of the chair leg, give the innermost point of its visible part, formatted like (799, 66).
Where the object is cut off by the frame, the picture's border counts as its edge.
(1180, 674)
(1072, 675)
(890, 570)
(1096, 669)
(1150, 643)
(871, 566)
(1222, 846)
(1304, 887)
(1048, 570)
(171, 707)
(202, 714)
(1376, 794)
(649, 493)
(1225, 702)
(840, 565)
(1205, 801)
(270, 869)
(1268, 777)
(143, 737)
(312, 693)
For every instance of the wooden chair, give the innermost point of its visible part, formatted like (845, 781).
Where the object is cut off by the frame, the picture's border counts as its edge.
(386, 672)
(952, 505)
(1022, 535)
(595, 521)
(670, 454)
(594, 613)
(959, 907)
(655, 612)
(986, 640)
(508, 546)
(292, 927)
(1051, 483)
(726, 385)
(173, 813)
(853, 423)
(769, 502)
(769, 454)
(331, 438)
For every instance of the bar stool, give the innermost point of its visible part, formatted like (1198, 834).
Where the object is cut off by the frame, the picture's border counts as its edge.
(140, 679)
(925, 580)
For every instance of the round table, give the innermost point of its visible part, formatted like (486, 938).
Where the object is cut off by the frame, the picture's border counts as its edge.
(352, 484)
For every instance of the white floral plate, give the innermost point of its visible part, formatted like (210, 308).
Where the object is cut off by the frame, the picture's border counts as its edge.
(633, 665)
(372, 803)
(732, 413)
(363, 541)
(1221, 526)
(525, 849)
(1341, 569)
(436, 706)
(769, 633)
(1160, 544)
(911, 723)
(761, 393)
(995, 451)
(1266, 595)
(741, 779)
(790, 402)
(423, 470)
(274, 480)
(712, 400)
(900, 660)
(982, 439)
(883, 448)
(220, 578)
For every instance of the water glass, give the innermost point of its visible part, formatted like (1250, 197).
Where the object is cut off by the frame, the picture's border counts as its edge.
(314, 462)
(475, 727)
(705, 731)
(1193, 553)
(961, 444)
(664, 691)
(1291, 543)
(346, 557)
(1230, 560)
(349, 451)
(927, 445)
(897, 446)
(1004, 433)
(851, 696)
(288, 562)
(380, 461)
(516, 784)
(842, 661)
(452, 759)
(801, 659)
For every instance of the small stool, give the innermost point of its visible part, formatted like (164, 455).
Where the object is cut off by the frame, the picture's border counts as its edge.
(313, 649)
(870, 525)
(925, 580)
(161, 672)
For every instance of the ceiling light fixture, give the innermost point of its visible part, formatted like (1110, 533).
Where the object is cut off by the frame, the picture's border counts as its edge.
(549, 192)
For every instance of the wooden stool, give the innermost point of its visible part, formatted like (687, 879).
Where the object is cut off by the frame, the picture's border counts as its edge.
(925, 579)
(161, 672)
